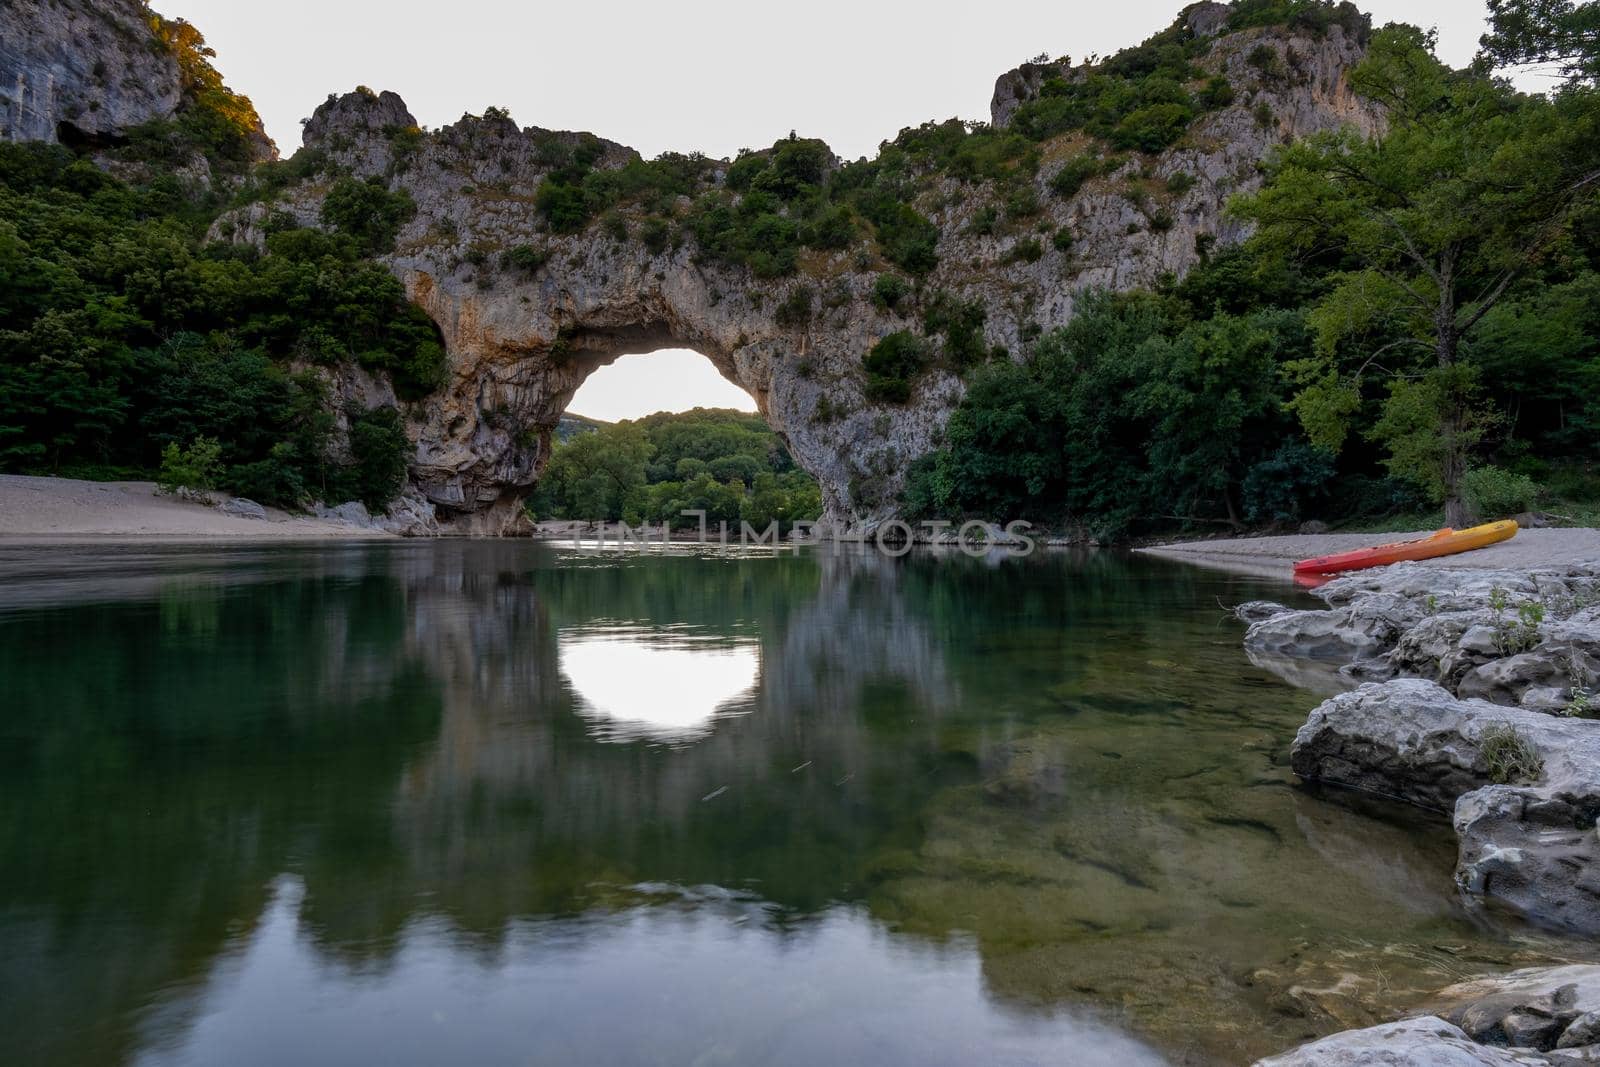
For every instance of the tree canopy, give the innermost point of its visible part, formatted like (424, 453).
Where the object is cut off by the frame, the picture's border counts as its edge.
(727, 464)
(1472, 186)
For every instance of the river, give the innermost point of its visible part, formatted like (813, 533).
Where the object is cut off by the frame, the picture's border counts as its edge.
(511, 803)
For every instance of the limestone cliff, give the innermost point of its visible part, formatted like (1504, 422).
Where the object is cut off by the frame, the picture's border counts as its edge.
(521, 341)
(85, 72)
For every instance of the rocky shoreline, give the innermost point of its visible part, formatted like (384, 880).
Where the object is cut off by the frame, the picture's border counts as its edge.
(1472, 693)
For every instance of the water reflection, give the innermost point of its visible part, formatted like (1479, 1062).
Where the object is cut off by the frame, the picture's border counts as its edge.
(408, 803)
(670, 686)
(716, 981)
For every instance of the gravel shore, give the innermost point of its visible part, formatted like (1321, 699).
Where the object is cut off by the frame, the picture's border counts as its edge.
(62, 509)
(1272, 556)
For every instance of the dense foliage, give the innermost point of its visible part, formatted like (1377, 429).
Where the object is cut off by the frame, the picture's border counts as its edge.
(726, 463)
(1414, 323)
(1563, 32)
(122, 333)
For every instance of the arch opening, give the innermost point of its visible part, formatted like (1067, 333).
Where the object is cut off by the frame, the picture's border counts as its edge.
(650, 432)
(665, 380)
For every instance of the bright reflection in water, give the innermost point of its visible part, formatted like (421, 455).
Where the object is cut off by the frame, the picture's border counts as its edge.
(635, 685)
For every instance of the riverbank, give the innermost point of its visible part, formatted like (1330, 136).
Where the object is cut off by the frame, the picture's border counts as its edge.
(61, 509)
(1469, 691)
(1271, 557)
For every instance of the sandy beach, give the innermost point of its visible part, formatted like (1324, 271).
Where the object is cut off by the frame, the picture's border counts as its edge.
(1272, 556)
(57, 509)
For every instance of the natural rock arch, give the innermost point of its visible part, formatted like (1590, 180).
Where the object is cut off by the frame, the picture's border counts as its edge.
(521, 340)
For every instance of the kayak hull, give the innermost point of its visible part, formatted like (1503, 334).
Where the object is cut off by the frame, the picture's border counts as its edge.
(1443, 543)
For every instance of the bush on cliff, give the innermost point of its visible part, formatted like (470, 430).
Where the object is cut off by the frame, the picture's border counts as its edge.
(892, 365)
(368, 212)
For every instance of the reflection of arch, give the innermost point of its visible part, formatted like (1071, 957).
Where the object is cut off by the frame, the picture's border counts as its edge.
(637, 686)
(641, 814)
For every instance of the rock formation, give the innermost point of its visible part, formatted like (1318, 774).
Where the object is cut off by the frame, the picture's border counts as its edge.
(521, 341)
(77, 70)
(1543, 1017)
(85, 72)
(522, 338)
(1479, 684)
(1529, 841)
(1527, 639)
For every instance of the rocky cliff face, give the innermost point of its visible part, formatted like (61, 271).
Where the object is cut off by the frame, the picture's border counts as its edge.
(85, 72)
(79, 70)
(521, 343)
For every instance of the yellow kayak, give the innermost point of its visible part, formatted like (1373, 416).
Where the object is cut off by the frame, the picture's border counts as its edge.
(1444, 543)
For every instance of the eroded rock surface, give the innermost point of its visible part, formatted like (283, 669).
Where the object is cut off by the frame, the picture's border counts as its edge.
(1528, 841)
(1526, 639)
(80, 70)
(1541, 1016)
(86, 72)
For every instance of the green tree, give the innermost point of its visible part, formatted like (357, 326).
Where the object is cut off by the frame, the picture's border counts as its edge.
(593, 475)
(1546, 31)
(379, 454)
(1437, 221)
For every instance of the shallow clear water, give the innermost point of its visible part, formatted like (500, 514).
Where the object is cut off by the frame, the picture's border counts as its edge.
(515, 803)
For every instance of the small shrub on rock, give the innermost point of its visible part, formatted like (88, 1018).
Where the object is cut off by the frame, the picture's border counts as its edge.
(525, 258)
(1070, 179)
(795, 311)
(889, 291)
(1509, 757)
(368, 212)
(1028, 250)
(892, 364)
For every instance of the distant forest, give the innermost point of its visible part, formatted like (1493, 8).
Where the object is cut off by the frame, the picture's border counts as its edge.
(728, 464)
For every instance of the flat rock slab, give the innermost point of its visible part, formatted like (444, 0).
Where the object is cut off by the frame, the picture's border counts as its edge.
(1428, 1042)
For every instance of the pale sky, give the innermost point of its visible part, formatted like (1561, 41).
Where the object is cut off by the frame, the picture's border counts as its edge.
(673, 379)
(707, 75)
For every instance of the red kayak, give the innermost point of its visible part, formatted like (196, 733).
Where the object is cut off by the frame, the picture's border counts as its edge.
(1444, 543)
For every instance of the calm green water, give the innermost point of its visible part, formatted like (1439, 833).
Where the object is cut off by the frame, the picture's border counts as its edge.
(512, 803)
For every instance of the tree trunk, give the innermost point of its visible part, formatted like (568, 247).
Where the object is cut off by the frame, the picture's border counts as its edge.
(1453, 458)
(1454, 466)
